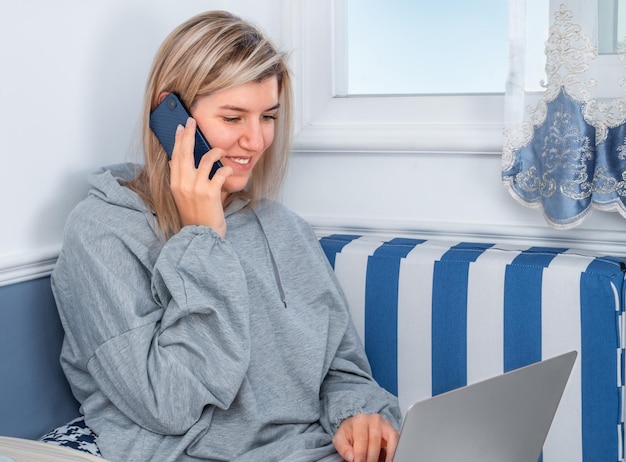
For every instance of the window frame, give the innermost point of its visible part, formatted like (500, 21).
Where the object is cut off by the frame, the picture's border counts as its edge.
(456, 123)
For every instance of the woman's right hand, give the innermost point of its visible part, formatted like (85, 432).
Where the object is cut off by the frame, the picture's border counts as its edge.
(199, 200)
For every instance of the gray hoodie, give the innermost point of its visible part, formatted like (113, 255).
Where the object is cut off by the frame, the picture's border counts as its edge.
(203, 348)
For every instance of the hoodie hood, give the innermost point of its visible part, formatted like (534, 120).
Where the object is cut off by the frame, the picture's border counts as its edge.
(109, 185)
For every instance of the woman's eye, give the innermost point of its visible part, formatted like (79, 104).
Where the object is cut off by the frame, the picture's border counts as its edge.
(232, 120)
(269, 117)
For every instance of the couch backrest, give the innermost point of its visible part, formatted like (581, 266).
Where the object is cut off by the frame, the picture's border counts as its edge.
(34, 394)
(435, 316)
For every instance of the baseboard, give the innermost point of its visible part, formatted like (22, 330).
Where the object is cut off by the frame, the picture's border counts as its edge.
(27, 266)
(597, 242)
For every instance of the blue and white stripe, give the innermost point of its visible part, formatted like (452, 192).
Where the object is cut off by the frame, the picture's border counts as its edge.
(438, 315)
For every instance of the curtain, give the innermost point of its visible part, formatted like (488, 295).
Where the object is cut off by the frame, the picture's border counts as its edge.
(565, 144)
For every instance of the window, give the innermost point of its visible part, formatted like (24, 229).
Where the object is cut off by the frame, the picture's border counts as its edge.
(422, 47)
(419, 123)
(399, 122)
(422, 122)
(611, 26)
(425, 47)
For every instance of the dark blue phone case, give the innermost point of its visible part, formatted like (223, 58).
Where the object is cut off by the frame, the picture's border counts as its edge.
(166, 118)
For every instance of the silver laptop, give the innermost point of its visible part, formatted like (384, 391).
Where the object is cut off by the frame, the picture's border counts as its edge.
(505, 418)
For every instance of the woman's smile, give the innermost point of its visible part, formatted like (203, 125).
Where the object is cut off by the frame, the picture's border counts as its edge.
(239, 120)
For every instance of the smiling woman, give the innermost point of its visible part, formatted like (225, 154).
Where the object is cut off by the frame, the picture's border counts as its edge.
(239, 121)
(179, 290)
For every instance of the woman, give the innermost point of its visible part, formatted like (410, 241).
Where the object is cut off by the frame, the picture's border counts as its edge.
(202, 319)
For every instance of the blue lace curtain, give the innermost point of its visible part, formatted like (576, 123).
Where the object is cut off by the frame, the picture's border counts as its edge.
(565, 147)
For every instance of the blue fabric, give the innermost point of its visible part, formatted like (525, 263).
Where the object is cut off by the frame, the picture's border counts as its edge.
(34, 394)
(609, 172)
(556, 169)
(449, 316)
(522, 307)
(599, 367)
(74, 435)
(599, 432)
(564, 170)
(381, 313)
(333, 244)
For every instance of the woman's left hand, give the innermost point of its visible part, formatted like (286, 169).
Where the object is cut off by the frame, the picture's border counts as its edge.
(366, 438)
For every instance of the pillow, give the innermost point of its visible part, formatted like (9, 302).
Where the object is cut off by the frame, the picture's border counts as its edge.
(76, 435)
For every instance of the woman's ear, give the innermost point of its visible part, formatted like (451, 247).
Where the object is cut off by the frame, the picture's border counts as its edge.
(162, 96)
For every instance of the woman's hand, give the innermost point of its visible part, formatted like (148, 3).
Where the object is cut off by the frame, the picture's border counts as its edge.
(366, 438)
(198, 199)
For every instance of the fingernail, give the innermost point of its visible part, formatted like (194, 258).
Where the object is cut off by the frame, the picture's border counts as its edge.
(179, 128)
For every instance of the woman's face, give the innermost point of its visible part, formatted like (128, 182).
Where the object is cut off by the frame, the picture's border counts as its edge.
(239, 120)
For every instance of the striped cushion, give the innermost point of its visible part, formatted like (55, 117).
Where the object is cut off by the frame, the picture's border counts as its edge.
(435, 316)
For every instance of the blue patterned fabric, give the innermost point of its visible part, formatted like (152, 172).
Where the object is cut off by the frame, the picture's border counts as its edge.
(557, 168)
(566, 145)
(75, 435)
(449, 316)
(381, 323)
(435, 316)
(563, 170)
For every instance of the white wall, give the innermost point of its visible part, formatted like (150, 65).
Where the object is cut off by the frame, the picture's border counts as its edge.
(434, 196)
(71, 88)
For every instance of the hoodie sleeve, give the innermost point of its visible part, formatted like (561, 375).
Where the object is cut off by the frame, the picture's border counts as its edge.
(161, 342)
(349, 388)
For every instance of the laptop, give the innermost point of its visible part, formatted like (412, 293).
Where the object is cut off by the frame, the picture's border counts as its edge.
(504, 418)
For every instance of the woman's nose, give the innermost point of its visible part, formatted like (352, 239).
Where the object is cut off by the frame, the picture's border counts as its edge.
(252, 138)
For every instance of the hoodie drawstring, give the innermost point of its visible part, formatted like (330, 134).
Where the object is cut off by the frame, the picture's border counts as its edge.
(274, 265)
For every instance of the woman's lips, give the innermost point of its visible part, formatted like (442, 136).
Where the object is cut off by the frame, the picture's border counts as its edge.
(240, 160)
(239, 163)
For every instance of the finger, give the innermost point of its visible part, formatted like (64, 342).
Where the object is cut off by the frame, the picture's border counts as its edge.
(175, 179)
(206, 163)
(220, 176)
(391, 436)
(342, 442)
(360, 436)
(389, 454)
(374, 443)
(184, 141)
(178, 136)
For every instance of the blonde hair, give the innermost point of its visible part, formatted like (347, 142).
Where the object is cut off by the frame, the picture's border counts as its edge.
(210, 52)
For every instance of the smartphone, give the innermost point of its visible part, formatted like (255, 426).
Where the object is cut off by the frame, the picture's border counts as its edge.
(164, 120)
